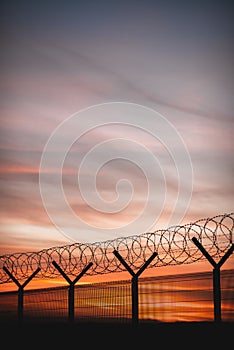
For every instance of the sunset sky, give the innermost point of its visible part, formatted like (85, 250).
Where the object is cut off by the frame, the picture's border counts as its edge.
(123, 110)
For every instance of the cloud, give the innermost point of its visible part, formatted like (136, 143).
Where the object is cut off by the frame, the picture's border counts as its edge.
(176, 61)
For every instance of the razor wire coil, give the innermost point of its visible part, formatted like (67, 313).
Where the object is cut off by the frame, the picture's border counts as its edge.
(173, 246)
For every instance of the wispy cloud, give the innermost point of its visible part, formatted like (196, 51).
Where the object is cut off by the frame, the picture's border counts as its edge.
(178, 62)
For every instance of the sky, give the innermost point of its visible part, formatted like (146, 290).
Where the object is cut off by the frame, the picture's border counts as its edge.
(116, 118)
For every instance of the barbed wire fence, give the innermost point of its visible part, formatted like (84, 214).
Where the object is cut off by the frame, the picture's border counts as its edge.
(171, 246)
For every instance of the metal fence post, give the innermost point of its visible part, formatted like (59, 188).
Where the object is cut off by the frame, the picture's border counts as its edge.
(135, 303)
(20, 290)
(216, 277)
(71, 287)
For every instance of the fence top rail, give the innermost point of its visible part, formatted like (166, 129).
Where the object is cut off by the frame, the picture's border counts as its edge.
(163, 278)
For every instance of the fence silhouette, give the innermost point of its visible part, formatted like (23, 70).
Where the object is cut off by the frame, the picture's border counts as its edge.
(185, 297)
(210, 238)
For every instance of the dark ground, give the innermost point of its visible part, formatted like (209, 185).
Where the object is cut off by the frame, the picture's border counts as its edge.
(112, 335)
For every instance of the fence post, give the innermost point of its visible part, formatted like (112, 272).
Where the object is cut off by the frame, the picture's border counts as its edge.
(20, 290)
(216, 277)
(71, 287)
(135, 303)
